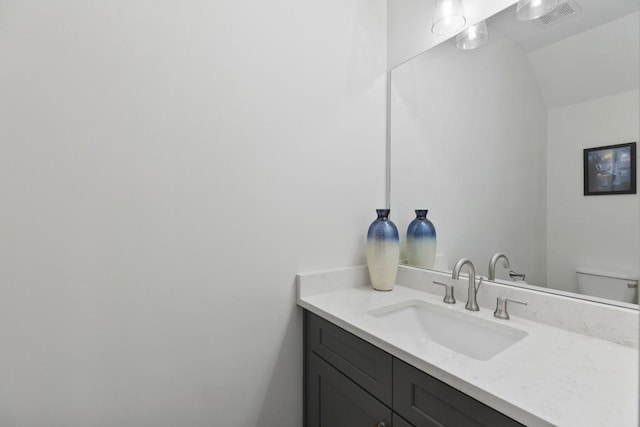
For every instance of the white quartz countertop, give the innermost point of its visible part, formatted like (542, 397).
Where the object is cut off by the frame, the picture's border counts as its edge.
(551, 377)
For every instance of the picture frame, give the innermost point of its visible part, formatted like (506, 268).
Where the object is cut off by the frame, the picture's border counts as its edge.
(610, 169)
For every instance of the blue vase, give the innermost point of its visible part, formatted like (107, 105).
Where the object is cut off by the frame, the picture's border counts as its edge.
(383, 251)
(421, 241)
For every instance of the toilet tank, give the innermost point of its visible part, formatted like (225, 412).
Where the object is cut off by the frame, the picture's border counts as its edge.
(602, 284)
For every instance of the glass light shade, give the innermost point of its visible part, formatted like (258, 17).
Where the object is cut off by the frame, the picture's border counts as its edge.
(448, 17)
(473, 37)
(534, 9)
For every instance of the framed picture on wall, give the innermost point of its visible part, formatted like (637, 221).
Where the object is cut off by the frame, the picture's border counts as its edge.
(610, 170)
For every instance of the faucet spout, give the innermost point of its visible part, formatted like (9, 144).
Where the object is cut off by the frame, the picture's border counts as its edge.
(494, 261)
(472, 303)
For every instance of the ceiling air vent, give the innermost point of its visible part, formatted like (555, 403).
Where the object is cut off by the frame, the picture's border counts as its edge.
(563, 11)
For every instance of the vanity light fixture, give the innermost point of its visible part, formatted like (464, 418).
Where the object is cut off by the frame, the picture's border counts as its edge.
(448, 17)
(473, 37)
(534, 9)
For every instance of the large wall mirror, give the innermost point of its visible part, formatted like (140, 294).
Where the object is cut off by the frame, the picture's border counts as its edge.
(491, 142)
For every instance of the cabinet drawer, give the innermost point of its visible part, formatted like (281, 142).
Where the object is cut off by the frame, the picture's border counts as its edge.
(363, 363)
(426, 401)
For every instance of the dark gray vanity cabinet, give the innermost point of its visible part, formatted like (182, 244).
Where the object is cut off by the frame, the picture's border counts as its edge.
(352, 383)
(426, 401)
(399, 422)
(348, 380)
(337, 401)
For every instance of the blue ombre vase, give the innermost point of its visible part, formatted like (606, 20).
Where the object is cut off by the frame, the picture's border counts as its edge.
(383, 251)
(421, 241)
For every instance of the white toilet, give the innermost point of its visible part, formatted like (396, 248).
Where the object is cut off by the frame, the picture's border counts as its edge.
(613, 286)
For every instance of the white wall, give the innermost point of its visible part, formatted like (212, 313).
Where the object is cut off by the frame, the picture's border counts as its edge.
(467, 148)
(594, 232)
(167, 167)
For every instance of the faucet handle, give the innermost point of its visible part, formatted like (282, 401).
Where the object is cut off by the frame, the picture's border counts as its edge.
(448, 296)
(501, 307)
(479, 283)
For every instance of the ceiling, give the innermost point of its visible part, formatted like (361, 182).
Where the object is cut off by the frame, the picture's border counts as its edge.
(590, 54)
(531, 35)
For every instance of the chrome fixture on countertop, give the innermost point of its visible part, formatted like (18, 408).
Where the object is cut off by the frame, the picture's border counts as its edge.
(494, 261)
(472, 303)
(448, 294)
(517, 277)
(501, 307)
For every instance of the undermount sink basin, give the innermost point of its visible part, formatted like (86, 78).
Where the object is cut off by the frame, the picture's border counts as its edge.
(464, 333)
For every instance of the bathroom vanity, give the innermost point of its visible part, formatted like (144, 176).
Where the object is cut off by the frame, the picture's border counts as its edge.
(350, 382)
(404, 358)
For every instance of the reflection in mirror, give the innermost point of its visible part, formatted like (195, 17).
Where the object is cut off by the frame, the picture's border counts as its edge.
(491, 142)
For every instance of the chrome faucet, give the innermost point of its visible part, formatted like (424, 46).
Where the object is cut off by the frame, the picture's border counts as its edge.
(494, 261)
(472, 303)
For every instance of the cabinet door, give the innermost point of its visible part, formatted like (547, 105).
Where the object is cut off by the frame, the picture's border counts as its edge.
(333, 400)
(363, 363)
(398, 421)
(425, 401)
